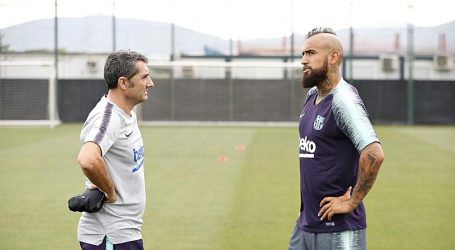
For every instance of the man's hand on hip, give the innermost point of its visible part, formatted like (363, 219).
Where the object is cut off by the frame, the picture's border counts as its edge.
(336, 205)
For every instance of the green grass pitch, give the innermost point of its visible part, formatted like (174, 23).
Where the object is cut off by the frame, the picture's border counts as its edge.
(250, 201)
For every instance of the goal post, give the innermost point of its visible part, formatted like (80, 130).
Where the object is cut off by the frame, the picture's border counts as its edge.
(28, 94)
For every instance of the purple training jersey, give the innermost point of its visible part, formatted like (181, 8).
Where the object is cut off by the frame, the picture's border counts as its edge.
(332, 133)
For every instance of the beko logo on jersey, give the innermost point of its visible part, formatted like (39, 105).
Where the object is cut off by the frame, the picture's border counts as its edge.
(138, 155)
(308, 148)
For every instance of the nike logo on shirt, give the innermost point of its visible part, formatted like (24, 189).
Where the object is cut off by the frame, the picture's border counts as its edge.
(128, 135)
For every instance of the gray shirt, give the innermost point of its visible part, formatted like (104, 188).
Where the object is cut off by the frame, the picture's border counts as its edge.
(120, 140)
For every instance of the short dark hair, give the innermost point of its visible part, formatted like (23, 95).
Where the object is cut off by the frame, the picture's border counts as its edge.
(320, 30)
(121, 63)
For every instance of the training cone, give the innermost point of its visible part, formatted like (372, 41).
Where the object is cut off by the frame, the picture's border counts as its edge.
(222, 158)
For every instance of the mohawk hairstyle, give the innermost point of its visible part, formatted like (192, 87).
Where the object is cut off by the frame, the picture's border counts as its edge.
(321, 30)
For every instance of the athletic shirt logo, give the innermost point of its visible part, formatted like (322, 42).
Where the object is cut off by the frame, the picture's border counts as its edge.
(318, 122)
(138, 155)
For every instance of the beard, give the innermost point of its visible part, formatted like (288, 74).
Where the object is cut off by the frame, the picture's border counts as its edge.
(315, 76)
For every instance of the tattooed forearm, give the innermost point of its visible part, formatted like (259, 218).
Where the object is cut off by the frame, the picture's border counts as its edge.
(370, 161)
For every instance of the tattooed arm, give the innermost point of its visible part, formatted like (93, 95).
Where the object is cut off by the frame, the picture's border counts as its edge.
(370, 161)
(371, 158)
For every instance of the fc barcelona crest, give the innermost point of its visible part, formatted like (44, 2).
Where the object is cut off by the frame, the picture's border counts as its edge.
(318, 122)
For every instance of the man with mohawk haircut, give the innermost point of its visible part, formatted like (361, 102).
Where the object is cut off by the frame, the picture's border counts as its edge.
(340, 154)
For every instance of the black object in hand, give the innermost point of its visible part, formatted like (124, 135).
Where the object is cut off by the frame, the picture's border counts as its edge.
(90, 201)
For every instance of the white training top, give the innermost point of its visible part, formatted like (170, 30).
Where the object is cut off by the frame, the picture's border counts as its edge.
(122, 148)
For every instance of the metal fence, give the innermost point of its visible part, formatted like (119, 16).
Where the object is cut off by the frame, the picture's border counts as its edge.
(263, 93)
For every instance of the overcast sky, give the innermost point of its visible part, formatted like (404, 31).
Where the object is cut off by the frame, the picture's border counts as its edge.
(242, 19)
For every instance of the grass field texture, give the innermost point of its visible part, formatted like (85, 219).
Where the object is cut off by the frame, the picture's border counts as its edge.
(250, 201)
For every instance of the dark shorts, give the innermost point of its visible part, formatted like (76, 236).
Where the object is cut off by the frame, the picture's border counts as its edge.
(130, 245)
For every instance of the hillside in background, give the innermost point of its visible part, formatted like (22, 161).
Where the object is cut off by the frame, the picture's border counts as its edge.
(94, 34)
(376, 40)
